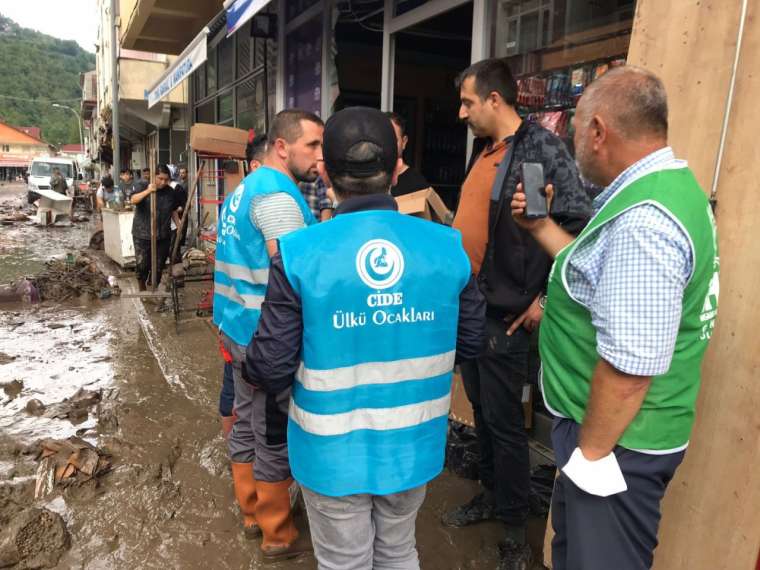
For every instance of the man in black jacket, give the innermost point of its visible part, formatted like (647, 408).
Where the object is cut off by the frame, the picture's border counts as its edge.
(512, 272)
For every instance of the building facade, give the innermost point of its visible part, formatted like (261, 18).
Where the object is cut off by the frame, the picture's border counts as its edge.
(18, 149)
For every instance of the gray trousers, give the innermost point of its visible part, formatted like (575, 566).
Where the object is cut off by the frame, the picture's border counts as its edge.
(364, 532)
(259, 435)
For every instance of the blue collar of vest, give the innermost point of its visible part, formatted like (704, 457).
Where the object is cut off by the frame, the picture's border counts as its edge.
(371, 202)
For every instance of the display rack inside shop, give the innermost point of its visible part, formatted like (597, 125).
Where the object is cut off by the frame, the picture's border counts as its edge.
(444, 150)
(550, 97)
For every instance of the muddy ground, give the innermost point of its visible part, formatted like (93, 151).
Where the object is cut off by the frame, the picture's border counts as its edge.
(167, 502)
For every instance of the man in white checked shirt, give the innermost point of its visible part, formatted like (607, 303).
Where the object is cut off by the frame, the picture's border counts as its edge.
(631, 307)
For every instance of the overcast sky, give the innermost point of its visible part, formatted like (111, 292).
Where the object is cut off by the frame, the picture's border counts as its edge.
(64, 19)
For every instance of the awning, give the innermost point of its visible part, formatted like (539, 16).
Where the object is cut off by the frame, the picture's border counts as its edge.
(187, 62)
(240, 11)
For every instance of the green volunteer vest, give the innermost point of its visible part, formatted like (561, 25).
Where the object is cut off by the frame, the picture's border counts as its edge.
(568, 338)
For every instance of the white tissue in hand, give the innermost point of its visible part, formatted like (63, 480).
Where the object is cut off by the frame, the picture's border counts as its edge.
(602, 477)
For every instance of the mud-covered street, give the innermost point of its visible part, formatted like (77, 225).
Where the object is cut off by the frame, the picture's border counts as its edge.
(166, 500)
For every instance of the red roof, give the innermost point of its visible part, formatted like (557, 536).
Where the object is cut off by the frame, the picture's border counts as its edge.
(78, 148)
(35, 132)
(10, 135)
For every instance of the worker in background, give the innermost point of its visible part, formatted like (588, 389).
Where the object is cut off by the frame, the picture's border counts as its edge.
(183, 177)
(631, 307)
(365, 317)
(126, 182)
(58, 181)
(409, 179)
(145, 172)
(512, 271)
(255, 152)
(106, 196)
(266, 206)
(180, 192)
(166, 205)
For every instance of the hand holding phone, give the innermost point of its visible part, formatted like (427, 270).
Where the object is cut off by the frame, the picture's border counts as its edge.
(534, 188)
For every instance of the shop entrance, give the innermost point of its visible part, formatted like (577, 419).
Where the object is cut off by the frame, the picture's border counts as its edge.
(428, 57)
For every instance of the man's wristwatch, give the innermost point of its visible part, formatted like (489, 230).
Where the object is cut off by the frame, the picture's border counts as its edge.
(542, 301)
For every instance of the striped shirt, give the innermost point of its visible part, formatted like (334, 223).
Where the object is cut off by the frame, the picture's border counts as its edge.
(632, 277)
(276, 215)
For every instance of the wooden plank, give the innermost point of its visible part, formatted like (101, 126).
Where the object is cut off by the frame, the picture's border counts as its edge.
(710, 515)
(690, 45)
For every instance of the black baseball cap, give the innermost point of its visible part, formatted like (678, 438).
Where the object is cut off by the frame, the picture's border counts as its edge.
(352, 126)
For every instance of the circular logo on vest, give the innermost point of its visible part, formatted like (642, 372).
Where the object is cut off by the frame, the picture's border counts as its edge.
(236, 198)
(379, 264)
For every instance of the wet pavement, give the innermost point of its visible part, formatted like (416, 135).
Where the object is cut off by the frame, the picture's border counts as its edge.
(168, 501)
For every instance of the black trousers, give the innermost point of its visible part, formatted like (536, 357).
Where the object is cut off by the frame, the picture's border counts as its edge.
(142, 257)
(494, 384)
(617, 532)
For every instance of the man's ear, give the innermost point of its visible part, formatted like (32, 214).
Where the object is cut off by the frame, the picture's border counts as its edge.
(397, 171)
(600, 130)
(281, 148)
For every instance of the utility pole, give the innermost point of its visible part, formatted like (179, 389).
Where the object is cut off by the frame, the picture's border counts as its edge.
(79, 122)
(115, 90)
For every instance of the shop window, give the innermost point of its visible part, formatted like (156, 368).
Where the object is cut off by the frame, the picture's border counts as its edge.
(211, 72)
(556, 47)
(303, 66)
(226, 51)
(252, 104)
(403, 6)
(294, 8)
(224, 107)
(200, 83)
(244, 49)
(205, 113)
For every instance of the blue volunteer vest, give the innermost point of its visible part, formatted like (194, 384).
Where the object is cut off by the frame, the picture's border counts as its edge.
(241, 270)
(380, 301)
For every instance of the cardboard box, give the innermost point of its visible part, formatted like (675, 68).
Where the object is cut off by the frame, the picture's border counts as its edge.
(426, 204)
(461, 408)
(218, 140)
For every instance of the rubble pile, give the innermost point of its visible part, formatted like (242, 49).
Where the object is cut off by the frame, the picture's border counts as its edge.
(70, 461)
(72, 277)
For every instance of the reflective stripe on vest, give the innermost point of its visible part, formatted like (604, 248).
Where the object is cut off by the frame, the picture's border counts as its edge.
(370, 418)
(376, 372)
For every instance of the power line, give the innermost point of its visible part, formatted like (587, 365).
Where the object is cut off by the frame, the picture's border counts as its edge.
(44, 101)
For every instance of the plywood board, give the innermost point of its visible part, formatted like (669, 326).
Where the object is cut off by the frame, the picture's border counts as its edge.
(690, 45)
(711, 516)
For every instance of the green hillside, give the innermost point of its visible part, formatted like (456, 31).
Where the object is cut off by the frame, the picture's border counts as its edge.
(36, 66)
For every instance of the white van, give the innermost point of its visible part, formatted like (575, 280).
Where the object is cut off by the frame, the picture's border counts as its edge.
(41, 170)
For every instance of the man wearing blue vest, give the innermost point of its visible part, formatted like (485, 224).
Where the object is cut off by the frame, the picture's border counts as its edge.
(263, 208)
(631, 308)
(364, 317)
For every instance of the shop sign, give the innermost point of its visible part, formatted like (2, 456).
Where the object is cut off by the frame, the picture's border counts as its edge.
(240, 11)
(187, 62)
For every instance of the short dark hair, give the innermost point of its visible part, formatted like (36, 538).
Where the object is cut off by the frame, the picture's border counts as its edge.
(126, 171)
(163, 169)
(397, 120)
(491, 75)
(287, 125)
(107, 181)
(256, 149)
(347, 185)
